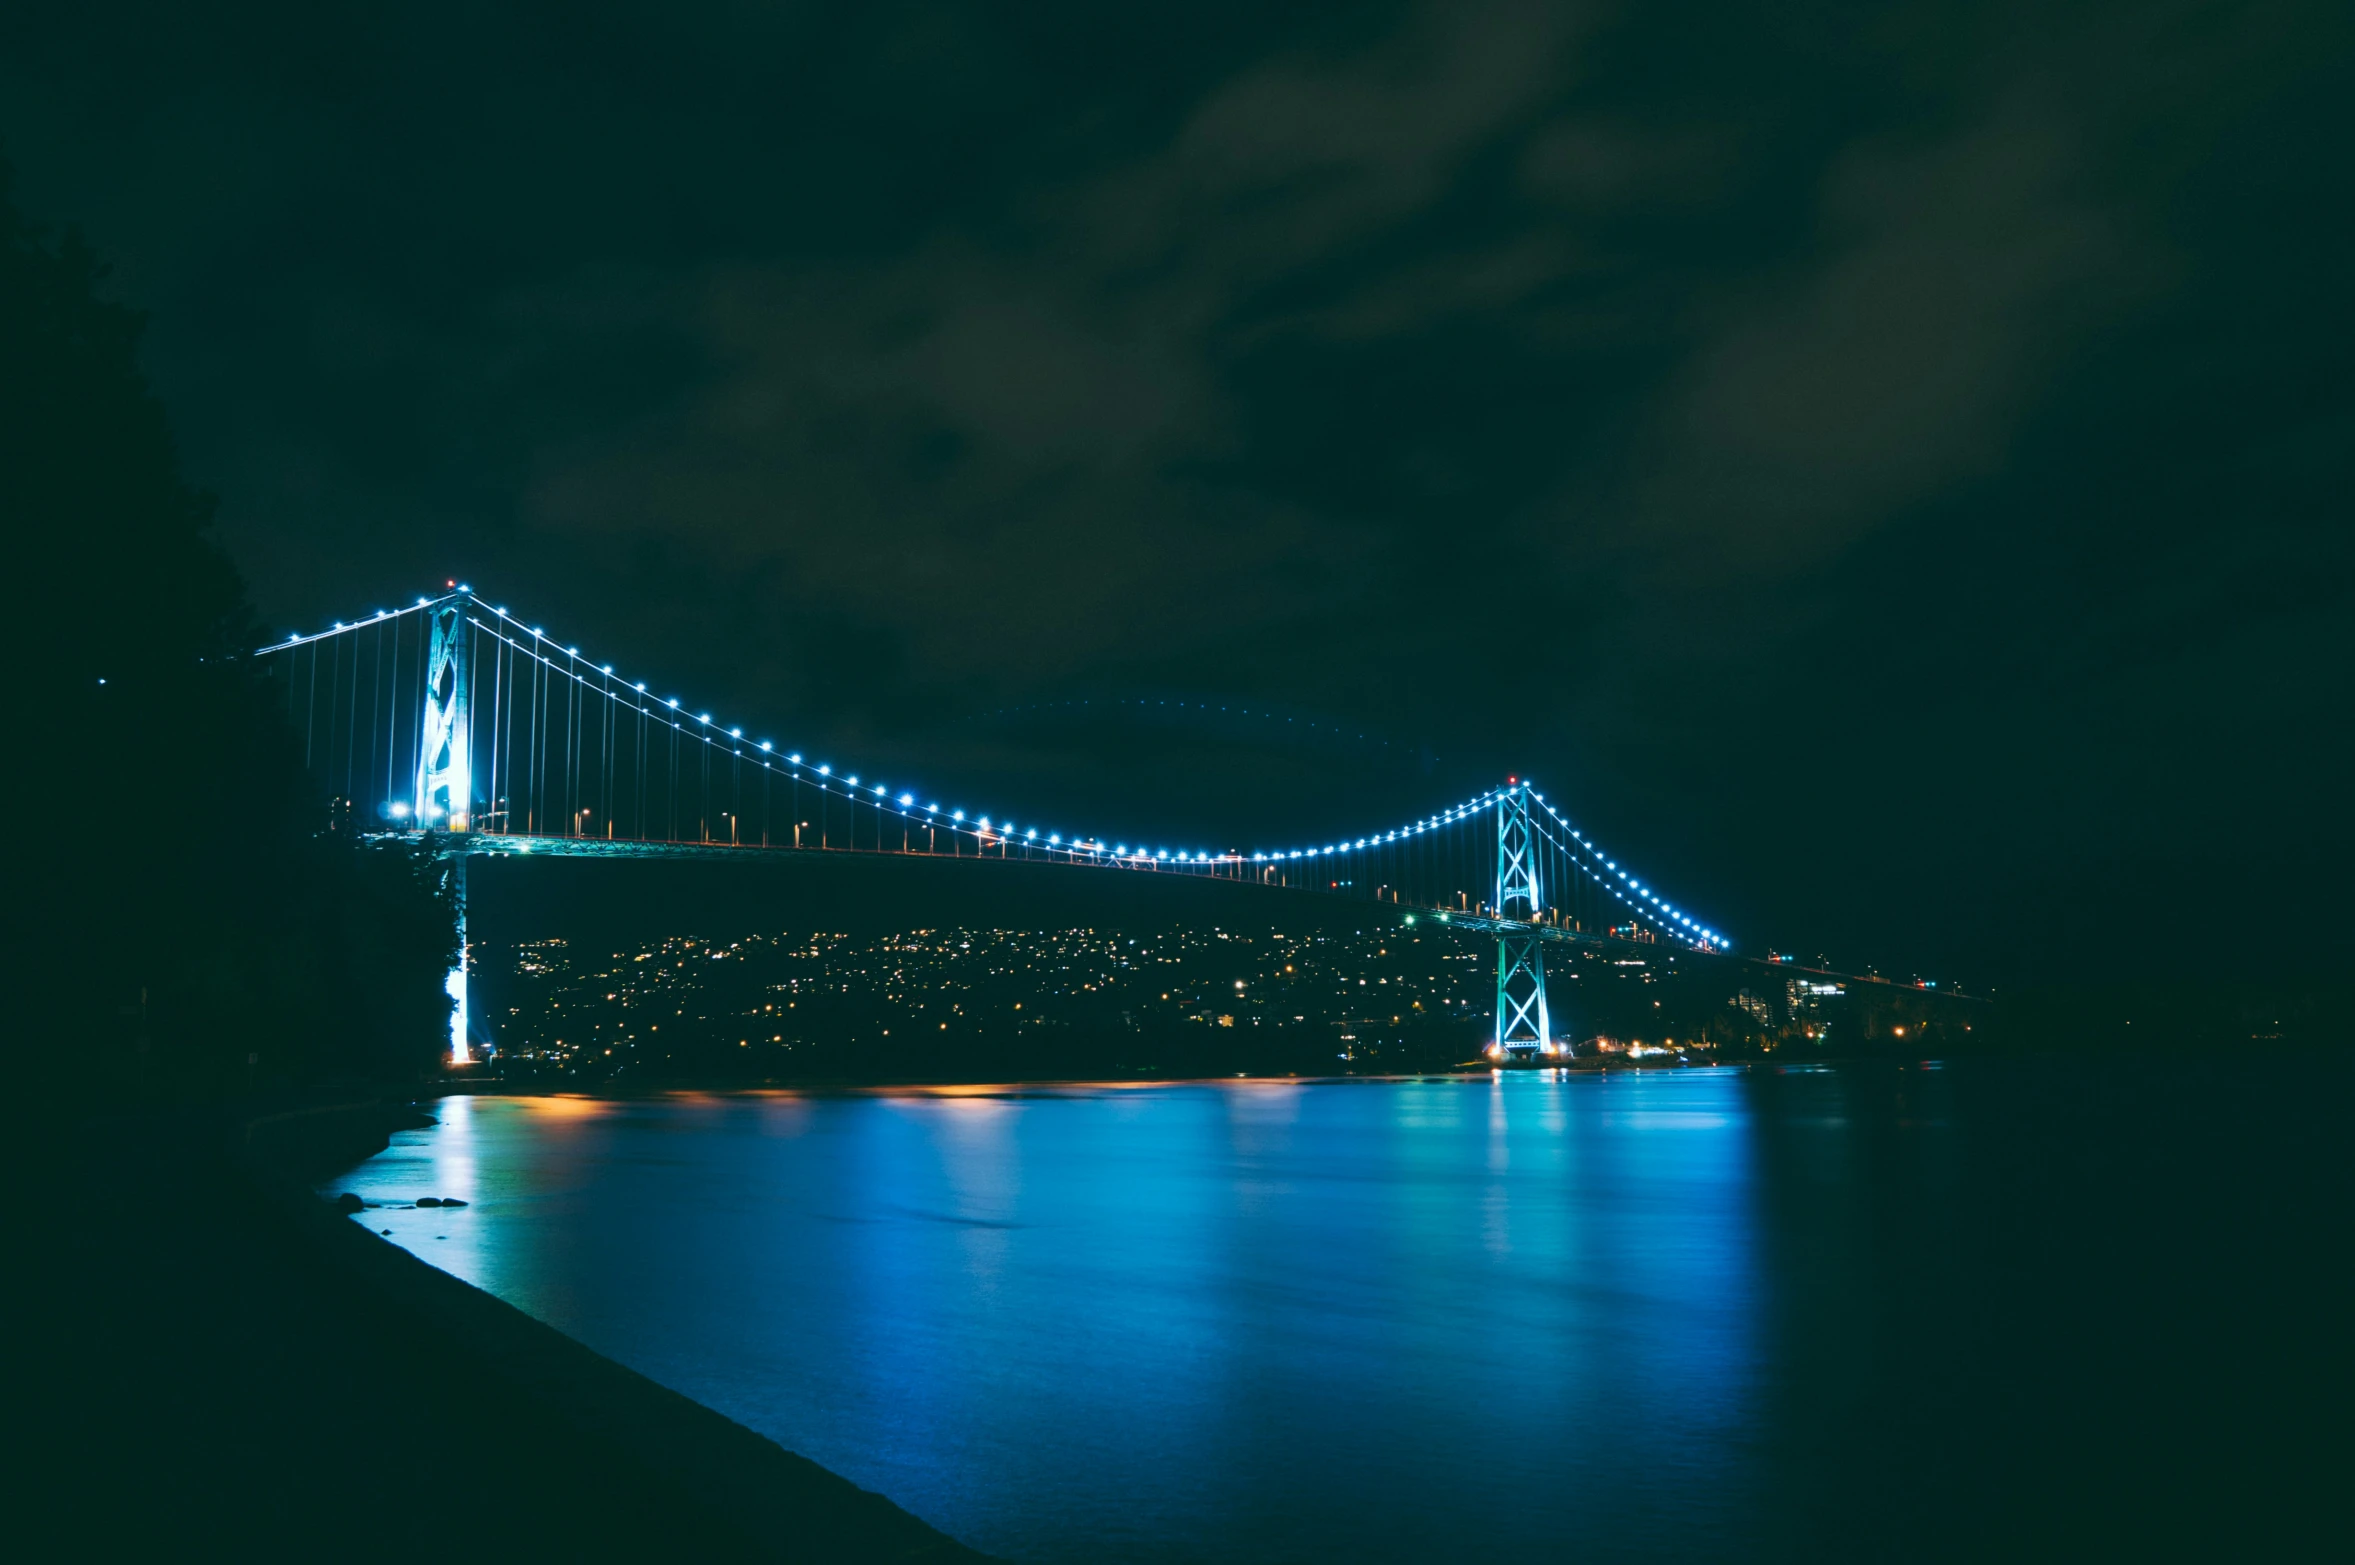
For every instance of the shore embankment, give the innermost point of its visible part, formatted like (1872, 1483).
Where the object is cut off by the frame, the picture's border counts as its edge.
(212, 1361)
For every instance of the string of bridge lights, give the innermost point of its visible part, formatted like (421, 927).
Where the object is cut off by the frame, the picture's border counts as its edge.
(509, 631)
(1607, 866)
(823, 775)
(381, 616)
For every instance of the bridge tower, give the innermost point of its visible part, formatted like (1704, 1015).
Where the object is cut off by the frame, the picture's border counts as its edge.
(445, 775)
(1524, 1029)
(445, 771)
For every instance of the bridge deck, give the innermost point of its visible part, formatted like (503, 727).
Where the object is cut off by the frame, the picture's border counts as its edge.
(1236, 870)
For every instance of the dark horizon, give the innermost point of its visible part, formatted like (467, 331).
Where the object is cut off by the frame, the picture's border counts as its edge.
(1884, 468)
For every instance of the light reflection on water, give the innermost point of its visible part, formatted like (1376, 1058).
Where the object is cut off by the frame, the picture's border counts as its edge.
(1514, 1318)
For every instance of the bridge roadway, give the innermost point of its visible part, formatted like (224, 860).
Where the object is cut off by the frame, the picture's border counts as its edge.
(1232, 868)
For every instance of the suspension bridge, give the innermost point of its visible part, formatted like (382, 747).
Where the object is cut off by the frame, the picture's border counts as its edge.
(455, 718)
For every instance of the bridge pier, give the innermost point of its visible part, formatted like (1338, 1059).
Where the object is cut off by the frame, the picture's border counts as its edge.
(455, 984)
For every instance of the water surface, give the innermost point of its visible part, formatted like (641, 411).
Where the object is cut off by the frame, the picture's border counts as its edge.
(1673, 1315)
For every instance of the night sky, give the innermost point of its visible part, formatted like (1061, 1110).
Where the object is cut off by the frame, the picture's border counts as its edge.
(1884, 469)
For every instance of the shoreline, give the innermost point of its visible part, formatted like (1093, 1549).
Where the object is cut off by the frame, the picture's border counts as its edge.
(228, 1364)
(495, 1086)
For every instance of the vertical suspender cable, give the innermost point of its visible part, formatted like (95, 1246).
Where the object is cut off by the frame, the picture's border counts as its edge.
(351, 736)
(498, 722)
(392, 714)
(376, 699)
(311, 707)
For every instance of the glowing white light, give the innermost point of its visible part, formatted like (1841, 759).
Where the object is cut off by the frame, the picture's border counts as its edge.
(1032, 834)
(641, 689)
(735, 733)
(956, 815)
(907, 798)
(932, 809)
(455, 987)
(674, 701)
(608, 668)
(795, 758)
(826, 770)
(1054, 837)
(764, 744)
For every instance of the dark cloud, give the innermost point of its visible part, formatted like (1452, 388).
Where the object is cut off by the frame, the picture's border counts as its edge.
(1886, 465)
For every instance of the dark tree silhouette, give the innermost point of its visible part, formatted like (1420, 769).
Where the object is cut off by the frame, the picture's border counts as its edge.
(171, 919)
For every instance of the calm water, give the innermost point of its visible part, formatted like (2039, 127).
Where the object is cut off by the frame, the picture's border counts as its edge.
(1677, 1315)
